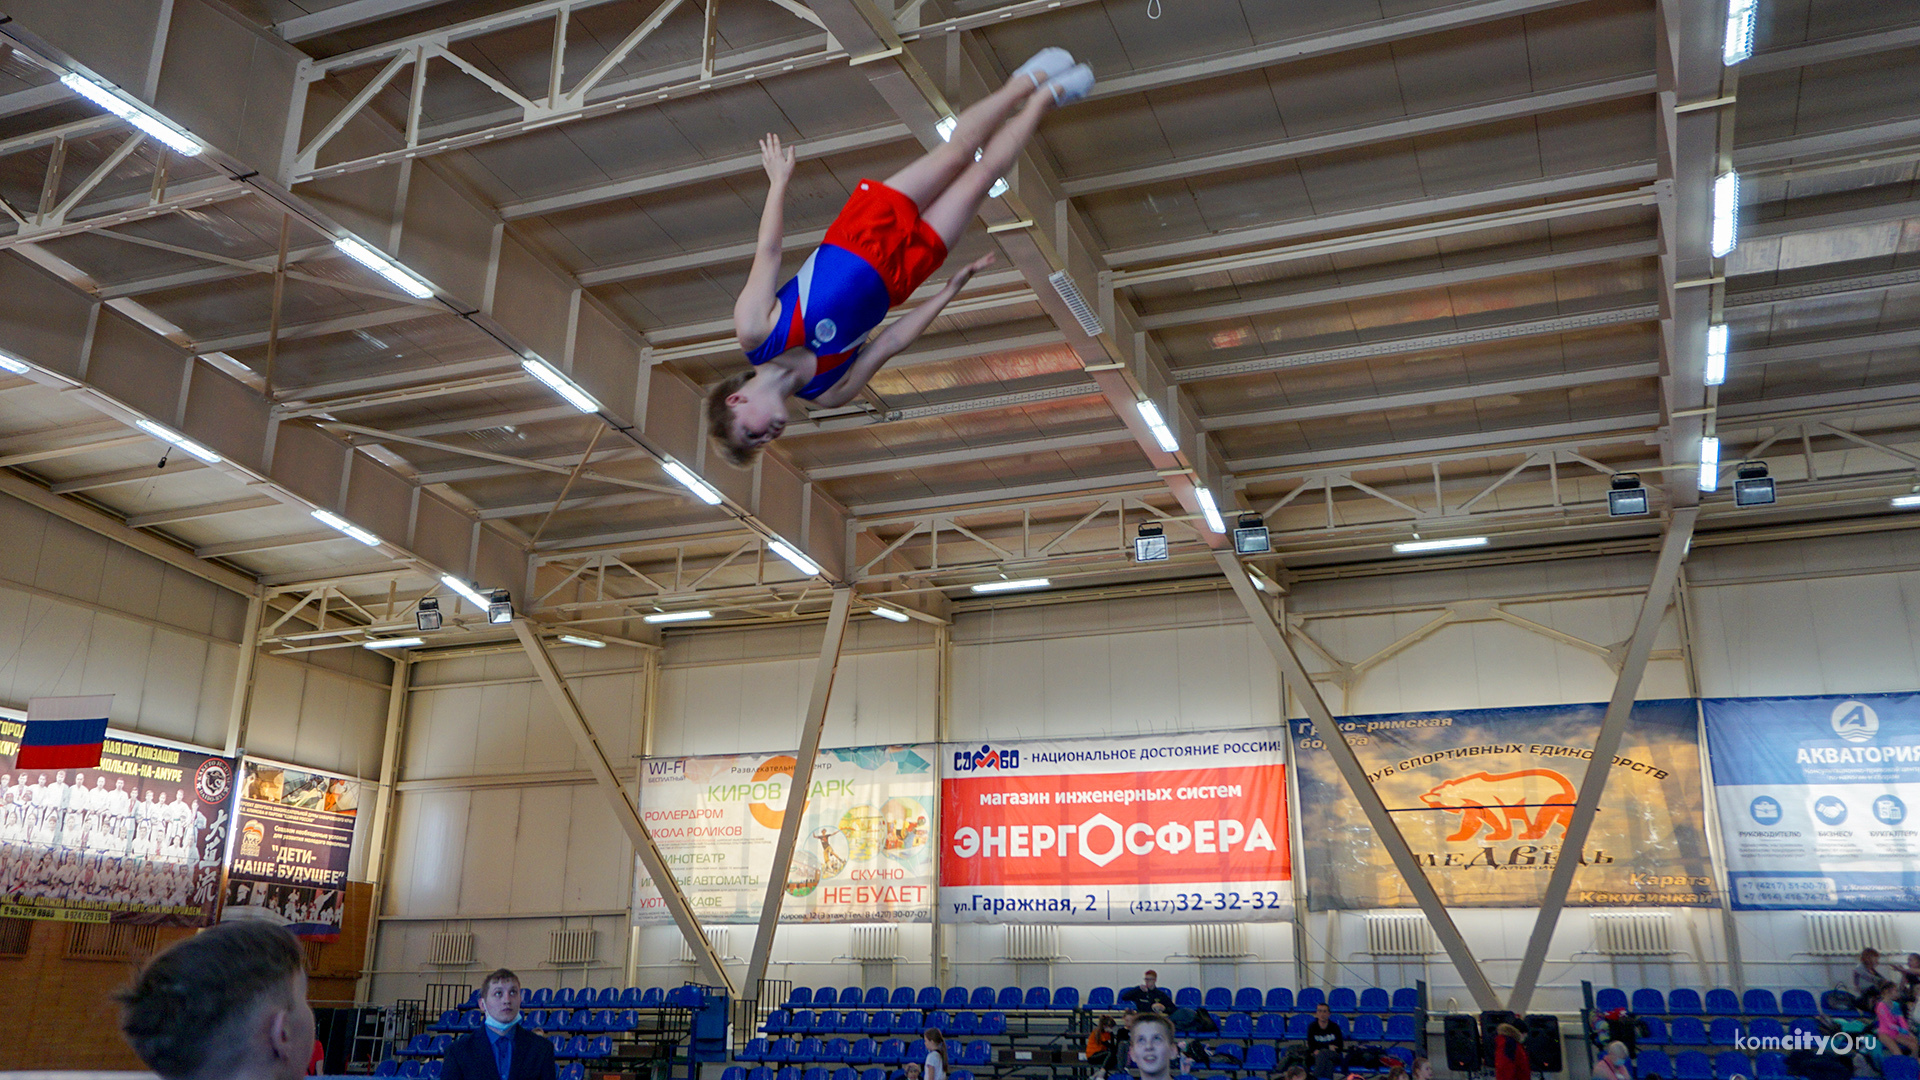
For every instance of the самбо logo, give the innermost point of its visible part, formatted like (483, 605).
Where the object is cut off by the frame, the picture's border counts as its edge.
(985, 758)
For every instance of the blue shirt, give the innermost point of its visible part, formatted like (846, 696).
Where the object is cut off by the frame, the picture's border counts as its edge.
(502, 1042)
(829, 308)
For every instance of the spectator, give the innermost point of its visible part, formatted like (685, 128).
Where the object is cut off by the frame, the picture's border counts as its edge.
(1396, 1070)
(1149, 996)
(1892, 1027)
(936, 1042)
(1103, 1050)
(503, 1049)
(910, 1071)
(1422, 1068)
(1294, 1073)
(1867, 980)
(1326, 1041)
(1510, 1060)
(1909, 974)
(229, 1003)
(1613, 1064)
(1150, 1040)
(317, 1061)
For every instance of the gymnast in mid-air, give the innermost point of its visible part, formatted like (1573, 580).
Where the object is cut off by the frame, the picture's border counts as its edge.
(808, 338)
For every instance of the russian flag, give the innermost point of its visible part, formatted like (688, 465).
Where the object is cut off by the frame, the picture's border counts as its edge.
(64, 732)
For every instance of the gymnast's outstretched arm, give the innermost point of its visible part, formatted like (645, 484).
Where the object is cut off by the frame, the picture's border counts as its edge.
(897, 337)
(757, 308)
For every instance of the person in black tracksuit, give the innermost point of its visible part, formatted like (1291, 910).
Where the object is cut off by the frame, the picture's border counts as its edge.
(1326, 1041)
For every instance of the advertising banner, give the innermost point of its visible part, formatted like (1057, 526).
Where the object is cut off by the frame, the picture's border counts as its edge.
(137, 839)
(1484, 796)
(293, 840)
(865, 851)
(1813, 795)
(1139, 829)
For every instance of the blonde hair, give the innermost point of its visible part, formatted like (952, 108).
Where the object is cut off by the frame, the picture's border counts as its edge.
(720, 425)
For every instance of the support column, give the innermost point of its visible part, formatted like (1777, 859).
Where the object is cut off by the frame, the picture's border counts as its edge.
(243, 674)
(1666, 574)
(624, 809)
(383, 809)
(823, 673)
(1295, 674)
(942, 724)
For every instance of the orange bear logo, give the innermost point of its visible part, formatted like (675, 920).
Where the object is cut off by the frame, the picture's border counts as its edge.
(1497, 802)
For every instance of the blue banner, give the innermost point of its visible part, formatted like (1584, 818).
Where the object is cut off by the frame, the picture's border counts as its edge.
(1814, 795)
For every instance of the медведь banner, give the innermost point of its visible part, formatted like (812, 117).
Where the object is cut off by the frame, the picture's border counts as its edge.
(1483, 797)
(865, 850)
(1137, 829)
(1813, 795)
(294, 841)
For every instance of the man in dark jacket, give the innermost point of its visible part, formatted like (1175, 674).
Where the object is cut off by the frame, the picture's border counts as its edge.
(503, 1049)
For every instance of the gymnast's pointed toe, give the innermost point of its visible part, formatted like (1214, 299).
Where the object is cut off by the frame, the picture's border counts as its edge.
(1071, 85)
(1049, 63)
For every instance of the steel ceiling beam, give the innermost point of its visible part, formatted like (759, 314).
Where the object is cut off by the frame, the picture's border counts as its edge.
(1826, 52)
(1827, 144)
(116, 530)
(975, 454)
(348, 16)
(156, 518)
(1413, 399)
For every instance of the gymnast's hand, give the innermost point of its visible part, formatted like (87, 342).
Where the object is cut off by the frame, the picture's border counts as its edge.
(776, 159)
(966, 272)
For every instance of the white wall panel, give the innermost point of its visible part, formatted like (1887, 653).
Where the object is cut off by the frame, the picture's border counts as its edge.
(1819, 636)
(307, 715)
(713, 708)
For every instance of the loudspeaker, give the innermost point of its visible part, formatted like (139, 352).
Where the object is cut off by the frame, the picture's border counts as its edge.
(1490, 1022)
(1543, 1043)
(1463, 1043)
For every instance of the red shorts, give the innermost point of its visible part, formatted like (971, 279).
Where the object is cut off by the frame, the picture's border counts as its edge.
(883, 227)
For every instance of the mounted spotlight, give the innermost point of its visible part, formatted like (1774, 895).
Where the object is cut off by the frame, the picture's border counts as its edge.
(1752, 486)
(500, 607)
(427, 615)
(1151, 544)
(1250, 536)
(1628, 497)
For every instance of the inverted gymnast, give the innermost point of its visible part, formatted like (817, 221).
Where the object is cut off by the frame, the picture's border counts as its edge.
(808, 338)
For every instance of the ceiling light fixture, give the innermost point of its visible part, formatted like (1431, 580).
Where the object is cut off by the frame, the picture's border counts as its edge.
(688, 479)
(392, 643)
(1726, 213)
(385, 267)
(1627, 497)
(1250, 536)
(890, 614)
(583, 642)
(1740, 20)
(426, 615)
(1752, 486)
(560, 384)
(175, 438)
(175, 140)
(1157, 424)
(677, 616)
(1011, 586)
(1709, 463)
(1415, 547)
(334, 521)
(1716, 370)
(1151, 544)
(473, 595)
(1907, 502)
(1210, 509)
(794, 558)
(500, 607)
(17, 367)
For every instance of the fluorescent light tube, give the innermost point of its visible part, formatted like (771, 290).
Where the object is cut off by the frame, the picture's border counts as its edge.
(792, 555)
(8, 363)
(335, 521)
(1010, 586)
(392, 642)
(179, 440)
(560, 384)
(1716, 372)
(1709, 462)
(1739, 43)
(1726, 213)
(461, 587)
(1208, 508)
(889, 613)
(944, 128)
(385, 267)
(678, 616)
(1414, 547)
(173, 138)
(1158, 425)
(1906, 502)
(584, 642)
(688, 479)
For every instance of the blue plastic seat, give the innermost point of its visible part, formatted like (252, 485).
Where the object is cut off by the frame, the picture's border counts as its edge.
(1837, 1003)
(1309, 999)
(960, 1074)
(788, 1072)
(983, 998)
(1404, 1054)
(835, 1050)
(961, 1023)
(806, 1050)
(1261, 1059)
(1236, 1026)
(1609, 999)
(1297, 1026)
(940, 1020)
(389, 1067)
(1731, 1063)
(1365, 1028)
(1010, 997)
(979, 1054)
(993, 1024)
(1684, 1000)
(1375, 1000)
(759, 1072)
(575, 1071)
(828, 1021)
(876, 997)
(891, 1052)
(776, 1022)
(1066, 998)
(579, 1046)
(799, 1021)
(1219, 999)
(801, 996)
(826, 995)
(1401, 1029)
(902, 997)
(602, 1046)
(448, 1020)
(917, 1050)
(630, 997)
(1764, 1027)
(433, 1069)
(1724, 1031)
(841, 1073)
(908, 1023)
(1280, 999)
(814, 1072)
(755, 1050)
(734, 1072)
(1797, 1003)
(1653, 1063)
(1656, 1031)
(414, 1069)
(1247, 999)
(1771, 1065)
(1648, 1001)
(1270, 1026)
(1688, 1031)
(1692, 1065)
(539, 998)
(654, 998)
(1722, 1002)
(1342, 999)
(1758, 1002)
(874, 1074)
(1808, 1026)
(418, 1045)
(1100, 997)
(1188, 997)
(1037, 998)
(928, 997)
(860, 1052)
(564, 998)
(779, 1051)
(608, 998)
(1900, 1067)
(954, 998)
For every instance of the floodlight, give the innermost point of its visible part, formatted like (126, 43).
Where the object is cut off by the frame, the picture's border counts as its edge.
(1726, 213)
(1628, 498)
(1739, 42)
(1752, 486)
(395, 273)
(1151, 544)
(677, 616)
(1250, 536)
(583, 642)
(335, 521)
(890, 614)
(179, 440)
(500, 607)
(1709, 463)
(392, 643)
(1414, 547)
(1716, 367)
(1010, 586)
(560, 384)
(426, 615)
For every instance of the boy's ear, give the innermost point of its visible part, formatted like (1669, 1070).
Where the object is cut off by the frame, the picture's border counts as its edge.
(736, 398)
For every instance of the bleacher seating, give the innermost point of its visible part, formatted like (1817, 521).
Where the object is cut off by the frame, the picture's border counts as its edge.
(1610, 999)
(1188, 997)
(1725, 1031)
(1731, 1063)
(1900, 1067)
(1342, 999)
(1100, 997)
(1653, 1063)
(1280, 999)
(1309, 999)
(1692, 1065)
(1722, 1002)
(1771, 1065)
(1684, 1000)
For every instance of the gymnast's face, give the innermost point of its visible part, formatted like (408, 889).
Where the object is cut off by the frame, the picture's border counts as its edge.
(758, 415)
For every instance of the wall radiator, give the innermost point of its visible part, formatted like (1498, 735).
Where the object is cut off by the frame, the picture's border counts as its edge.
(1033, 942)
(876, 943)
(573, 946)
(450, 950)
(1639, 933)
(716, 937)
(1845, 933)
(1399, 933)
(1217, 941)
